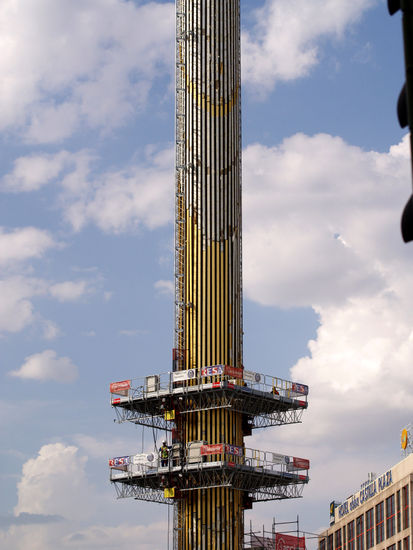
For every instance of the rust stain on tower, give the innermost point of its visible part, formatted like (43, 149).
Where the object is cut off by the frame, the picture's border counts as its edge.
(208, 402)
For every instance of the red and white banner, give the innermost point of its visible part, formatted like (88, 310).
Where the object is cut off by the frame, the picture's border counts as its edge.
(212, 449)
(301, 389)
(234, 372)
(118, 461)
(212, 371)
(120, 388)
(289, 542)
(301, 463)
(220, 448)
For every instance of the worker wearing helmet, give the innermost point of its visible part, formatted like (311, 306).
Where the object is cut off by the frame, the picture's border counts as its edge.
(164, 454)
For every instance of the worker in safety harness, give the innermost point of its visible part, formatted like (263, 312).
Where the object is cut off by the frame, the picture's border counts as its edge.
(164, 453)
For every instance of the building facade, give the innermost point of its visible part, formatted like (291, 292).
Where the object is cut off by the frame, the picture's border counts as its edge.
(377, 517)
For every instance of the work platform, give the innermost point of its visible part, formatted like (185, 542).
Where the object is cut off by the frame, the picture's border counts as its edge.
(260, 475)
(156, 400)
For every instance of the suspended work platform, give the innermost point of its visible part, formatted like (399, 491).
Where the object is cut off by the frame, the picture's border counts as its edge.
(156, 400)
(260, 475)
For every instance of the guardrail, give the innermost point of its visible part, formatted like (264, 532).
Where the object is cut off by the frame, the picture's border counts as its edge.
(170, 382)
(199, 454)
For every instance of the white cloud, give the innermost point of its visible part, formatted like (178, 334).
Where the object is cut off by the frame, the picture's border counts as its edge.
(33, 172)
(58, 507)
(23, 244)
(50, 330)
(122, 536)
(69, 291)
(47, 366)
(132, 332)
(322, 230)
(16, 308)
(54, 483)
(54, 74)
(322, 221)
(164, 287)
(81, 537)
(126, 200)
(283, 45)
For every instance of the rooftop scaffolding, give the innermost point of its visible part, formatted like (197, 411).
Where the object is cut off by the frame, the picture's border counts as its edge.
(155, 400)
(261, 475)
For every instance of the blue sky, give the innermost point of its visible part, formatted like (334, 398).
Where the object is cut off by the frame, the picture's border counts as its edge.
(86, 236)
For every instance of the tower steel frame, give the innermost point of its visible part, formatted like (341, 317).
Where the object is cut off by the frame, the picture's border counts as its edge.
(211, 478)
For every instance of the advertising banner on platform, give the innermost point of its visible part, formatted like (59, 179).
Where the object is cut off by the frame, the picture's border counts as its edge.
(233, 450)
(301, 463)
(300, 389)
(118, 461)
(215, 370)
(181, 375)
(212, 449)
(280, 459)
(234, 372)
(251, 376)
(289, 542)
(120, 388)
(221, 448)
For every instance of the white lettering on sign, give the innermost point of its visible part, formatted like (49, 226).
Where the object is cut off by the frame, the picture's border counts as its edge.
(368, 492)
(212, 371)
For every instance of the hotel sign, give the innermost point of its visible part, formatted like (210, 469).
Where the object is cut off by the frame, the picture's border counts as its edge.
(368, 492)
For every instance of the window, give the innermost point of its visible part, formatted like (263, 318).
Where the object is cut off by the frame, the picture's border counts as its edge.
(379, 523)
(350, 535)
(392, 547)
(406, 542)
(330, 542)
(398, 518)
(322, 545)
(360, 532)
(369, 529)
(399, 545)
(344, 538)
(405, 505)
(390, 516)
(337, 542)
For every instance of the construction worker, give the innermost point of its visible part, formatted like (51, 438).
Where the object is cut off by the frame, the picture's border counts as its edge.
(164, 454)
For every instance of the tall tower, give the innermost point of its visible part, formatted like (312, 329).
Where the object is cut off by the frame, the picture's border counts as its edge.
(208, 401)
(208, 277)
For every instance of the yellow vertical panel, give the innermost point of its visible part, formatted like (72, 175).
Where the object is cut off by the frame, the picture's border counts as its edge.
(199, 522)
(187, 525)
(222, 308)
(213, 302)
(226, 306)
(214, 519)
(209, 309)
(204, 310)
(193, 300)
(200, 313)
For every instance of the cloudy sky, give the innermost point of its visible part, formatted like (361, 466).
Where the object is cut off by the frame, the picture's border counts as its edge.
(86, 263)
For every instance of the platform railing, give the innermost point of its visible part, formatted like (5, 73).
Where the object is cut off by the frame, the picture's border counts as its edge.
(203, 456)
(175, 382)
